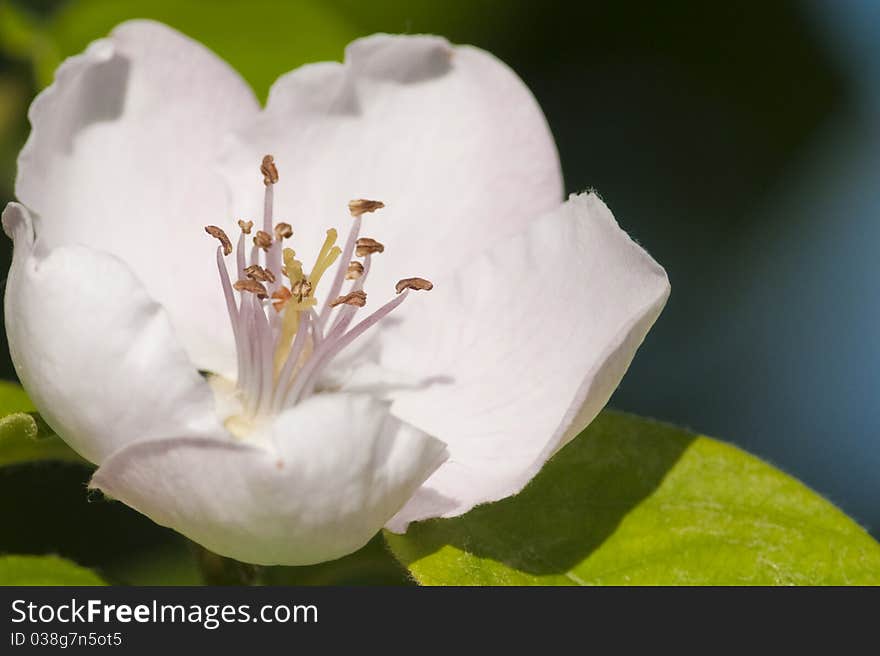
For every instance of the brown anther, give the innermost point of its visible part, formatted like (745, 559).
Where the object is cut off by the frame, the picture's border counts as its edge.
(280, 298)
(413, 283)
(301, 289)
(365, 246)
(263, 240)
(245, 226)
(283, 231)
(256, 272)
(355, 271)
(269, 170)
(251, 286)
(218, 233)
(357, 298)
(362, 206)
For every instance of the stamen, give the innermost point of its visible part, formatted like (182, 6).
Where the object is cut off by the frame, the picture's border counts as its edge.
(301, 289)
(283, 231)
(366, 246)
(256, 272)
(240, 261)
(339, 278)
(413, 283)
(272, 250)
(251, 286)
(263, 240)
(280, 298)
(285, 376)
(362, 206)
(335, 343)
(357, 298)
(231, 307)
(265, 354)
(281, 354)
(218, 233)
(269, 171)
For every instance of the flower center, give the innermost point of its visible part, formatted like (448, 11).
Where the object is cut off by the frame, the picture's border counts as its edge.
(283, 341)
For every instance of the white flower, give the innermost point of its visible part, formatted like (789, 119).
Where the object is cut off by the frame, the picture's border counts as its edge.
(302, 442)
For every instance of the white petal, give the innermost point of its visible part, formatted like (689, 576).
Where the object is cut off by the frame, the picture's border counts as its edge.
(532, 338)
(98, 357)
(121, 159)
(449, 138)
(340, 468)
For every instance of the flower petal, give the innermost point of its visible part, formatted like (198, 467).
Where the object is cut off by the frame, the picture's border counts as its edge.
(98, 357)
(340, 467)
(120, 159)
(532, 338)
(449, 138)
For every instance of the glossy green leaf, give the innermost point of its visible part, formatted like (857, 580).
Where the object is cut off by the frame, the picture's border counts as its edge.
(24, 436)
(44, 570)
(631, 501)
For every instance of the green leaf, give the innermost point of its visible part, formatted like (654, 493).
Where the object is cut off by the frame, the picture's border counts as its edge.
(631, 501)
(44, 570)
(24, 436)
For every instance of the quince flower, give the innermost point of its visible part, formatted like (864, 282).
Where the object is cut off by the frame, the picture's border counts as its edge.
(281, 394)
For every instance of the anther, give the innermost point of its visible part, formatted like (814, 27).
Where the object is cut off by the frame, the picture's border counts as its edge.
(218, 233)
(269, 171)
(356, 298)
(413, 283)
(263, 240)
(355, 270)
(283, 231)
(301, 289)
(365, 246)
(362, 206)
(251, 286)
(280, 298)
(245, 226)
(256, 272)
